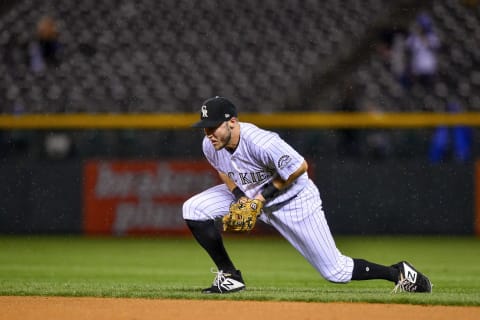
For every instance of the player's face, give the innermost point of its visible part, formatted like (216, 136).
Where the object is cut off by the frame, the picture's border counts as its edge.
(219, 136)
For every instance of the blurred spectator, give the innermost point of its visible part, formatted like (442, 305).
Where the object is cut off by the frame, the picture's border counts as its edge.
(45, 50)
(392, 49)
(422, 44)
(457, 140)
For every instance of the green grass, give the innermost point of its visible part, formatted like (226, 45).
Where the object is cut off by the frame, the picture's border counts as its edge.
(273, 270)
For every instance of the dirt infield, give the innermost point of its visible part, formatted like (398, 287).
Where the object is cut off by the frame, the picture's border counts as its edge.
(56, 308)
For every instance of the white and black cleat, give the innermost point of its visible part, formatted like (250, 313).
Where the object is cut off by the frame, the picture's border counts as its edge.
(226, 282)
(411, 280)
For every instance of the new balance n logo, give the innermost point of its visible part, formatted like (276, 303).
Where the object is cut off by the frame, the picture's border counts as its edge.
(410, 274)
(231, 284)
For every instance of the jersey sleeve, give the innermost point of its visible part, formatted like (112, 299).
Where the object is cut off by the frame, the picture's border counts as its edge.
(281, 157)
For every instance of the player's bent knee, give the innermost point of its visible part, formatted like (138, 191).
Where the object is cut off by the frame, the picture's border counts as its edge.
(187, 210)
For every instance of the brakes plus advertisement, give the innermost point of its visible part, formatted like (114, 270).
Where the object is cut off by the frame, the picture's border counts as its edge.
(141, 197)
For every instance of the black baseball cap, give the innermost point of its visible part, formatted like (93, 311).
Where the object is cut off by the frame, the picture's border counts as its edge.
(214, 111)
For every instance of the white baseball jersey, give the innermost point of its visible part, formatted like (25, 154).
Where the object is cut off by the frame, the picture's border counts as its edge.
(296, 212)
(259, 157)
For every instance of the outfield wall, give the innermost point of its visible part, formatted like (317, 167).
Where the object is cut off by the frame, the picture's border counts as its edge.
(395, 192)
(389, 197)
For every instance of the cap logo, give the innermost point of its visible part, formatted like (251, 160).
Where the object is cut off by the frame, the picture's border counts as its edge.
(204, 111)
(227, 115)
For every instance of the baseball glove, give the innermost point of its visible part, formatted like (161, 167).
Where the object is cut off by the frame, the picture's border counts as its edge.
(242, 215)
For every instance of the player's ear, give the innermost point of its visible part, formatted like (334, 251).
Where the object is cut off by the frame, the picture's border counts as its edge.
(232, 122)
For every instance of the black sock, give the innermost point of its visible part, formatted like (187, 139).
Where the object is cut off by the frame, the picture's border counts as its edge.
(208, 236)
(365, 270)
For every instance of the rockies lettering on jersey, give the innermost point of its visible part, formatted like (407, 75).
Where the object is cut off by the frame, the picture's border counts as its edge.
(251, 177)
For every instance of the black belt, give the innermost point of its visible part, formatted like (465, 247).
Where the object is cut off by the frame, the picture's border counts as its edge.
(278, 206)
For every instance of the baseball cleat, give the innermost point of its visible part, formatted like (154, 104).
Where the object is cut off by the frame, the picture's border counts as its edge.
(226, 282)
(411, 280)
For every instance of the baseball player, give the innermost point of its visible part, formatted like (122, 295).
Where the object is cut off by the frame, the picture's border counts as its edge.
(265, 178)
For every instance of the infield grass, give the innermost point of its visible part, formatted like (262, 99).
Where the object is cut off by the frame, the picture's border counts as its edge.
(272, 269)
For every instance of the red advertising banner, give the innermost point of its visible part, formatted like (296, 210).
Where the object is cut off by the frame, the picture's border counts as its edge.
(141, 197)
